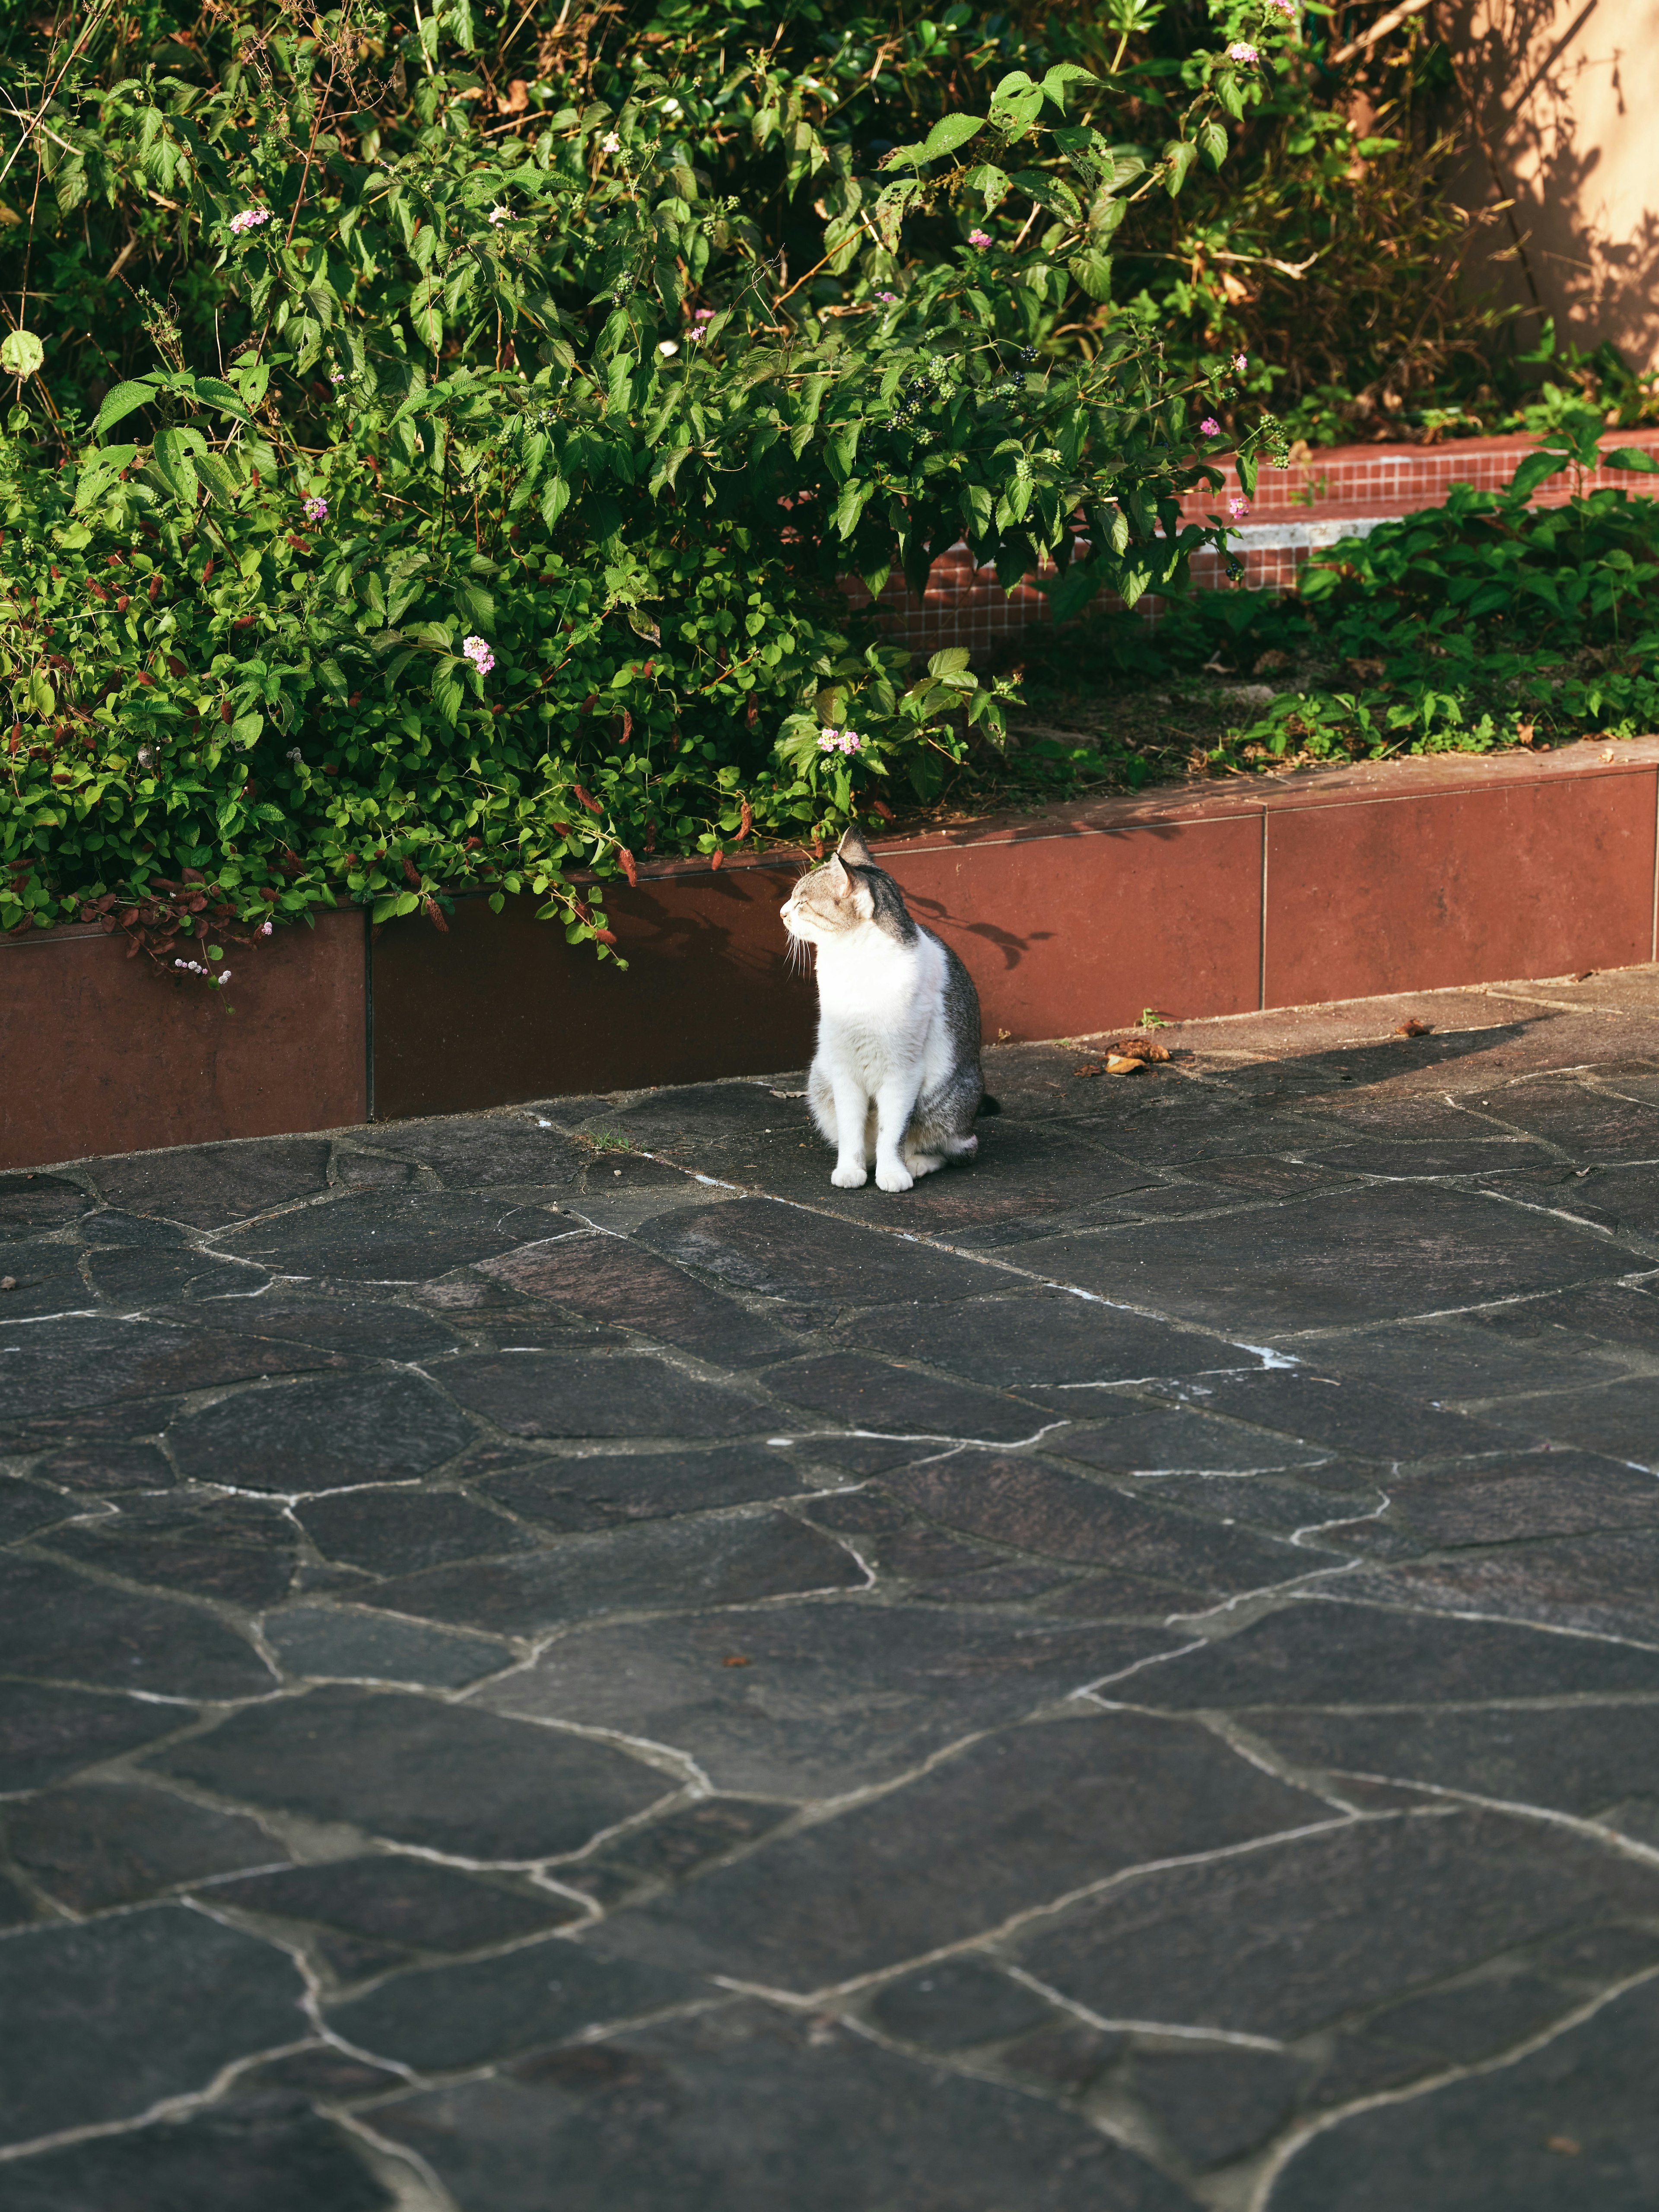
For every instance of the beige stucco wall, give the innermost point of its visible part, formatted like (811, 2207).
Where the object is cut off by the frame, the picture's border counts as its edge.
(1569, 102)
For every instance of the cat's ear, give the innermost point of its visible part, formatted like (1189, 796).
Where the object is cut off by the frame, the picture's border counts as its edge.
(853, 850)
(842, 885)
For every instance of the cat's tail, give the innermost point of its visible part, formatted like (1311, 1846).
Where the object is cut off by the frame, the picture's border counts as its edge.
(988, 1104)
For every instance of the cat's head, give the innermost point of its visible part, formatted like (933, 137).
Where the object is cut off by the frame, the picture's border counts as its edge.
(848, 894)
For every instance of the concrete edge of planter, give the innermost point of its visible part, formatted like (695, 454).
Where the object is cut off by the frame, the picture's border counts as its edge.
(1290, 889)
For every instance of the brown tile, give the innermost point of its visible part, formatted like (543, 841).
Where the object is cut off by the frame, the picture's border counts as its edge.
(1460, 887)
(1064, 935)
(104, 1055)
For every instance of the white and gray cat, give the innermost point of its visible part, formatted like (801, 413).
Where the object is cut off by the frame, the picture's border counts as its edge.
(898, 1061)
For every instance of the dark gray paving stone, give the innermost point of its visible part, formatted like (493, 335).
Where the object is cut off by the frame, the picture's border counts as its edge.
(1466, 1357)
(399, 1532)
(1405, 1159)
(1619, 1419)
(117, 1843)
(675, 1847)
(747, 2110)
(57, 1624)
(387, 1236)
(90, 1362)
(1342, 1415)
(1573, 1759)
(99, 1468)
(1586, 1125)
(1319, 1653)
(98, 2023)
(1616, 1314)
(330, 2075)
(46, 1278)
(550, 1394)
(1137, 1440)
(130, 1279)
(1607, 1584)
(1339, 1256)
(669, 1567)
(359, 1326)
(259, 2154)
(323, 1642)
(1463, 2024)
(408, 1903)
(32, 1202)
(24, 1508)
(326, 1432)
(832, 1697)
(196, 1542)
(1212, 2104)
(756, 1245)
(477, 1151)
(418, 1771)
(1029, 1814)
(697, 1113)
(610, 1278)
(1572, 2125)
(1551, 1493)
(355, 1170)
(601, 1490)
(47, 1735)
(1063, 2061)
(1119, 1597)
(1013, 1341)
(492, 2009)
(1280, 1503)
(867, 1392)
(15, 1909)
(1284, 1940)
(207, 1184)
(1020, 1502)
(957, 2004)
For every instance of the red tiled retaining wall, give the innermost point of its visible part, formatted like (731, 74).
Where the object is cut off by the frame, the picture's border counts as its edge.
(1272, 890)
(1295, 511)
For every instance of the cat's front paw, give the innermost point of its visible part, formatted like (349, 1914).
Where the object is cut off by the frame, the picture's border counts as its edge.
(851, 1179)
(896, 1177)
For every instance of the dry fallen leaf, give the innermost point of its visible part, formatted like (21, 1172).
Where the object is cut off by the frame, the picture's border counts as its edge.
(737, 1659)
(1583, 976)
(1412, 1027)
(1090, 1067)
(1138, 1047)
(1119, 1063)
(1524, 734)
(1365, 671)
(7, 1282)
(1564, 2144)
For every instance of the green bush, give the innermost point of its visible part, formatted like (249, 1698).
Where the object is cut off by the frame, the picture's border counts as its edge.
(1479, 624)
(503, 548)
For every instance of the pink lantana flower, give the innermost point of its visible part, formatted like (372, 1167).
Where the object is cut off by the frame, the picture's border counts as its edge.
(316, 508)
(887, 298)
(1238, 508)
(828, 739)
(1240, 363)
(979, 238)
(1209, 427)
(610, 143)
(850, 741)
(1242, 51)
(478, 652)
(250, 219)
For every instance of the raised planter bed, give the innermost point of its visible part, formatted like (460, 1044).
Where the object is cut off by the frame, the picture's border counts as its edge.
(1281, 890)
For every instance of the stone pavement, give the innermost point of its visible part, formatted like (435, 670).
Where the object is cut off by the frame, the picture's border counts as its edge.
(552, 1662)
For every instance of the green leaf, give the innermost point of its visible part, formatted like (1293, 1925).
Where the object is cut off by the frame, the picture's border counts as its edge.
(138, 392)
(1213, 143)
(245, 730)
(20, 353)
(949, 662)
(1092, 273)
(1179, 156)
(1631, 457)
(98, 472)
(949, 132)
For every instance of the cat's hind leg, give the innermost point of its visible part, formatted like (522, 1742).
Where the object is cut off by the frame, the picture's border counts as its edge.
(921, 1163)
(820, 1102)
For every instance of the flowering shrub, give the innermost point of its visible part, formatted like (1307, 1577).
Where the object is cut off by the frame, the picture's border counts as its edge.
(565, 591)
